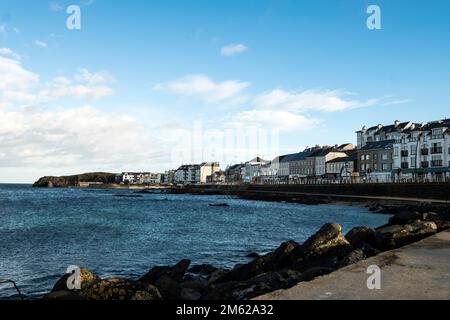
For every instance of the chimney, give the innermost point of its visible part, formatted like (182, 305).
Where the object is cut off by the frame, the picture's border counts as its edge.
(396, 123)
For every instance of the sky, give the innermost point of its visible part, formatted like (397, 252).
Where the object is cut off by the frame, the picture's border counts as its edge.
(150, 85)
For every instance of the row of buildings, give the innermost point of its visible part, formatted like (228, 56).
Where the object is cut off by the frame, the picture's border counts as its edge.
(402, 151)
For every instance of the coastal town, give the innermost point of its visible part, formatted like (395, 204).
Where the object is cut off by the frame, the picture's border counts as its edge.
(397, 152)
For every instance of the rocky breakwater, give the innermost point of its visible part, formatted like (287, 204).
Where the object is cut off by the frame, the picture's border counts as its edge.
(291, 263)
(75, 180)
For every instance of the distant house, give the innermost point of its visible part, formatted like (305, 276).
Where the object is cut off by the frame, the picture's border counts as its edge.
(252, 170)
(195, 173)
(343, 169)
(141, 178)
(375, 161)
(233, 174)
(423, 152)
(322, 156)
(216, 178)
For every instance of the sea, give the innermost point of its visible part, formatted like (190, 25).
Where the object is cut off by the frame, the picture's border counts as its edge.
(123, 233)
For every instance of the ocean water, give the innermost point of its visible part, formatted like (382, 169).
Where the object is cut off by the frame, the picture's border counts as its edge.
(43, 231)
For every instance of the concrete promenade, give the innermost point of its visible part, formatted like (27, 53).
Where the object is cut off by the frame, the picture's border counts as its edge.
(418, 271)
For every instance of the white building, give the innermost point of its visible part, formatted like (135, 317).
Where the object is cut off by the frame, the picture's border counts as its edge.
(252, 169)
(148, 178)
(423, 152)
(195, 173)
(383, 133)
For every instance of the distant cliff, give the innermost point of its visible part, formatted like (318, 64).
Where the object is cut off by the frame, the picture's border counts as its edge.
(75, 180)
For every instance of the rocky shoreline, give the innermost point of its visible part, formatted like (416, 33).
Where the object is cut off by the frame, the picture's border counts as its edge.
(324, 252)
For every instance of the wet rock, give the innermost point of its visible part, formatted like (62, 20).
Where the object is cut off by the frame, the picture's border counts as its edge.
(405, 217)
(352, 258)
(359, 235)
(218, 275)
(188, 294)
(253, 255)
(328, 241)
(198, 284)
(250, 288)
(219, 205)
(272, 261)
(368, 250)
(176, 272)
(121, 289)
(202, 269)
(88, 278)
(396, 236)
(169, 288)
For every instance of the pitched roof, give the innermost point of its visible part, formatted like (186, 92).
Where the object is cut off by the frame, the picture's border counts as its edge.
(296, 156)
(343, 159)
(385, 144)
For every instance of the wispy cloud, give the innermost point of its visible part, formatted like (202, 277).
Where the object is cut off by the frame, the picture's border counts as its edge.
(204, 88)
(41, 44)
(310, 100)
(21, 87)
(233, 49)
(55, 6)
(7, 52)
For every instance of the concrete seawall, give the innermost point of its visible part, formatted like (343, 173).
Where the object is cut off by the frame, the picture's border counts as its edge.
(418, 271)
(438, 193)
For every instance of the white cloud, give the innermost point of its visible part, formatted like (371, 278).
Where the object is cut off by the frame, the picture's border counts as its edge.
(233, 49)
(273, 119)
(2, 29)
(20, 87)
(7, 52)
(14, 77)
(310, 100)
(55, 6)
(203, 88)
(71, 137)
(41, 44)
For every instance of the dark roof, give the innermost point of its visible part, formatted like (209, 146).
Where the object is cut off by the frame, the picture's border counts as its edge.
(296, 156)
(436, 124)
(386, 144)
(323, 152)
(344, 159)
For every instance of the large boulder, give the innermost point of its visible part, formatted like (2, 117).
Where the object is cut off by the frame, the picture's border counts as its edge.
(276, 260)
(361, 235)
(396, 236)
(169, 288)
(405, 217)
(352, 258)
(250, 288)
(324, 248)
(121, 289)
(87, 277)
(176, 272)
(205, 269)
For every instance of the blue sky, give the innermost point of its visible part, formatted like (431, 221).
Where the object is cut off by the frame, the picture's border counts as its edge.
(125, 91)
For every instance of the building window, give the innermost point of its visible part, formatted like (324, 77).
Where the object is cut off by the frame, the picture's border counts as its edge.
(362, 157)
(413, 162)
(396, 151)
(384, 156)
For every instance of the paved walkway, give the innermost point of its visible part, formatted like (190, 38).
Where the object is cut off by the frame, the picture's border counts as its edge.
(419, 271)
